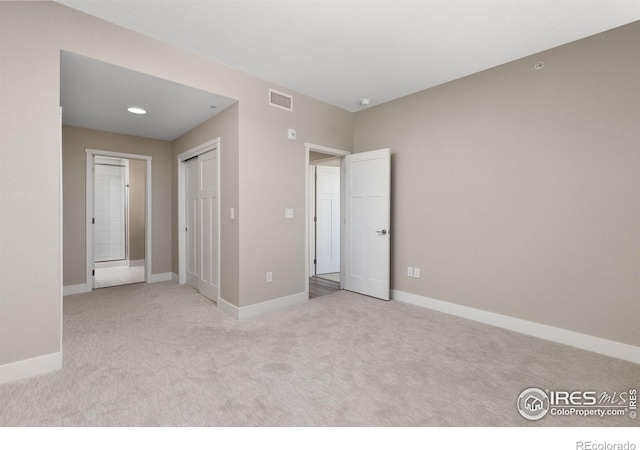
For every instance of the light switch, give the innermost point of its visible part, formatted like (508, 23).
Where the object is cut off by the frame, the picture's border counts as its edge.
(232, 213)
(288, 213)
(291, 134)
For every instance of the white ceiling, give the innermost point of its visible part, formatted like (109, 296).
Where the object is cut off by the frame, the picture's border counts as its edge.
(341, 51)
(96, 95)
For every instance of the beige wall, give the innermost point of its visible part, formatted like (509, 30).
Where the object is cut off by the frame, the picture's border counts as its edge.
(225, 126)
(30, 252)
(74, 142)
(517, 191)
(137, 169)
(270, 168)
(272, 174)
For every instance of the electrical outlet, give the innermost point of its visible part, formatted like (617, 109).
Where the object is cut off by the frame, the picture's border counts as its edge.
(416, 272)
(269, 277)
(288, 213)
(409, 271)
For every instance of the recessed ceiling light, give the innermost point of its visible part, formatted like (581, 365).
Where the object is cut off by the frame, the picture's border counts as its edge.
(365, 102)
(135, 110)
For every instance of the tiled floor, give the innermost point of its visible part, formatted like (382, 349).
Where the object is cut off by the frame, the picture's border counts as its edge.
(116, 276)
(319, 287)
(330, 276)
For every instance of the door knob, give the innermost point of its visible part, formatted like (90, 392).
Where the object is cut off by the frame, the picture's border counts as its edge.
(382, 232)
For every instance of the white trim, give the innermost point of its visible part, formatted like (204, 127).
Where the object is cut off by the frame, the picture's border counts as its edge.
(136, 262)
(159, 277)
(312, 229)
(323, 161)
(61, 275)
(228, 308)
(559, 335)
(89, 210)
(326, 150)
(213, 144)
(174, 277)
(247, 312)
(308, 147)
(30, 367)
(73, 289)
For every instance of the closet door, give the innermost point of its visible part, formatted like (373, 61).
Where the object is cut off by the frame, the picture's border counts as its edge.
(208, 214)
(202, 223)
(192, 181)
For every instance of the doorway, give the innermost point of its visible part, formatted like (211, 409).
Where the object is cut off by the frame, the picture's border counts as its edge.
(365, 211)
(325, 225)
(118, 210)
(119, 221)
(324, 208)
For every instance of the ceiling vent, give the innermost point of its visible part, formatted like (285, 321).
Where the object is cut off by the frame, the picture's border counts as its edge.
(280, 100)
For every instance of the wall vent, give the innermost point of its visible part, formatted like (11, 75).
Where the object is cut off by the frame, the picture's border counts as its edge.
(280, 100)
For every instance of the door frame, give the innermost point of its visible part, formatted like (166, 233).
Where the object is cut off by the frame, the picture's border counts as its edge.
(90, 251)
(213, 144)
(330, 152)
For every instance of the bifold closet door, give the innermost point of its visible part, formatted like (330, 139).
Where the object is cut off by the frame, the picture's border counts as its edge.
(202, 223)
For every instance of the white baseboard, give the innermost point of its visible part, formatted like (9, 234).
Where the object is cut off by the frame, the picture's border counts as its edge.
(174, 277)
(30, 367)
(75, 289)
(549, 333)
(228, 308)
(136, 262)
(247, 312)
(159, 277)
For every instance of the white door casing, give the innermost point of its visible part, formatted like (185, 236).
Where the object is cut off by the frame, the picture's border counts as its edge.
(367, 223)
(327, 219)
(89, 210)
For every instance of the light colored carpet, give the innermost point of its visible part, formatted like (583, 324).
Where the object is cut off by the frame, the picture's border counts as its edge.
(160, 354)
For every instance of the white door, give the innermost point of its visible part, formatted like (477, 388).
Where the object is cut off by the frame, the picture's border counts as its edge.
(367, 223)
(208, 171)
(110, 196)
(202, 223)
(327, 219)
(192, 181)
